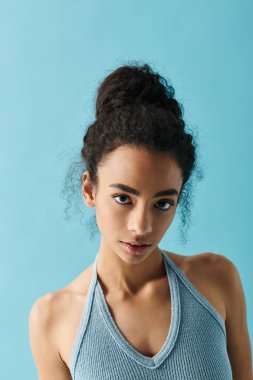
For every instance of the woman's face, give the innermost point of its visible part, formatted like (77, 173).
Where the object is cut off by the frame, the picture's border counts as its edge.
(124, 216)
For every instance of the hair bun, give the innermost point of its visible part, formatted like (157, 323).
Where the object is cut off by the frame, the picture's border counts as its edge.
(134, 84)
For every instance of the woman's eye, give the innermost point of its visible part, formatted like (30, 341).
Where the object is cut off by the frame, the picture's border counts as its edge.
(120, 196)
(169, 203)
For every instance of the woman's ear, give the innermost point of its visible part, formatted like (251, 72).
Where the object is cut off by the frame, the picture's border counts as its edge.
(88, 190)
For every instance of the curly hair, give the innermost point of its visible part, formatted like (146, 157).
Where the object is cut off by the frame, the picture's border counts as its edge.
(136, 106)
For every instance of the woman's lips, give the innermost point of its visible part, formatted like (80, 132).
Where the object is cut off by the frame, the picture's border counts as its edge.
(136, 244)
(135, 249)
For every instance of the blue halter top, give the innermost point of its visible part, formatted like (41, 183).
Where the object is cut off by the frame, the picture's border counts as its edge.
(195, 347)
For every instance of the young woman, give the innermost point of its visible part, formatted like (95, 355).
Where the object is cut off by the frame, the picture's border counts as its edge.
(140, 312)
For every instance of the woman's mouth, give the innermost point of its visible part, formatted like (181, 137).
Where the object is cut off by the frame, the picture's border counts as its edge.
(135, 249)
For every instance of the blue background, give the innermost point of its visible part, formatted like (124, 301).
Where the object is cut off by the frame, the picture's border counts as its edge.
(53, 55)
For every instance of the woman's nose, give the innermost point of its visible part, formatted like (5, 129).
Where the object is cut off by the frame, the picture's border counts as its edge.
(141, 223)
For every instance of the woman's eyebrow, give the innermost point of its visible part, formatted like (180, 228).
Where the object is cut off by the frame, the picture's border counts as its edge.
(137, 192)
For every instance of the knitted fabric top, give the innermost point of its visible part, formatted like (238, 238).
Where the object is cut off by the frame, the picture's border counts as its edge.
(195, 347)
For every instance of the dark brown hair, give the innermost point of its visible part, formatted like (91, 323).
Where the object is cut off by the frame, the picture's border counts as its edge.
(136, 106)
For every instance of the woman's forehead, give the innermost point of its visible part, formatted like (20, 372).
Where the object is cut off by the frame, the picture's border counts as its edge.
(134, 157)
(132, 167)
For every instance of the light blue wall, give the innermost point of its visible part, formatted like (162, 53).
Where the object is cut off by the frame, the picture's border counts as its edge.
(53, 55)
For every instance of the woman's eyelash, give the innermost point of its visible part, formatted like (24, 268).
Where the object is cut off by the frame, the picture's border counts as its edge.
(161, 201)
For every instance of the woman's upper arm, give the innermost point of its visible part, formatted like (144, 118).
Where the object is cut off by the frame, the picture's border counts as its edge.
(45, 353)
(238, 340)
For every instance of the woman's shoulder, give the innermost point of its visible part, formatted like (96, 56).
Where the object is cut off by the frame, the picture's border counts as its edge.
(52, 302)
(208, 265)
(199, 261)
(209, 273)
(187, 263)
(61, 310)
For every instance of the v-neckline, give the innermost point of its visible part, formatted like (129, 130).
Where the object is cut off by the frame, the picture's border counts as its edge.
(158, 358)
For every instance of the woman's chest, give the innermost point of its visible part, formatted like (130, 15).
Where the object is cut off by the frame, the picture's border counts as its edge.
(144, 322)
